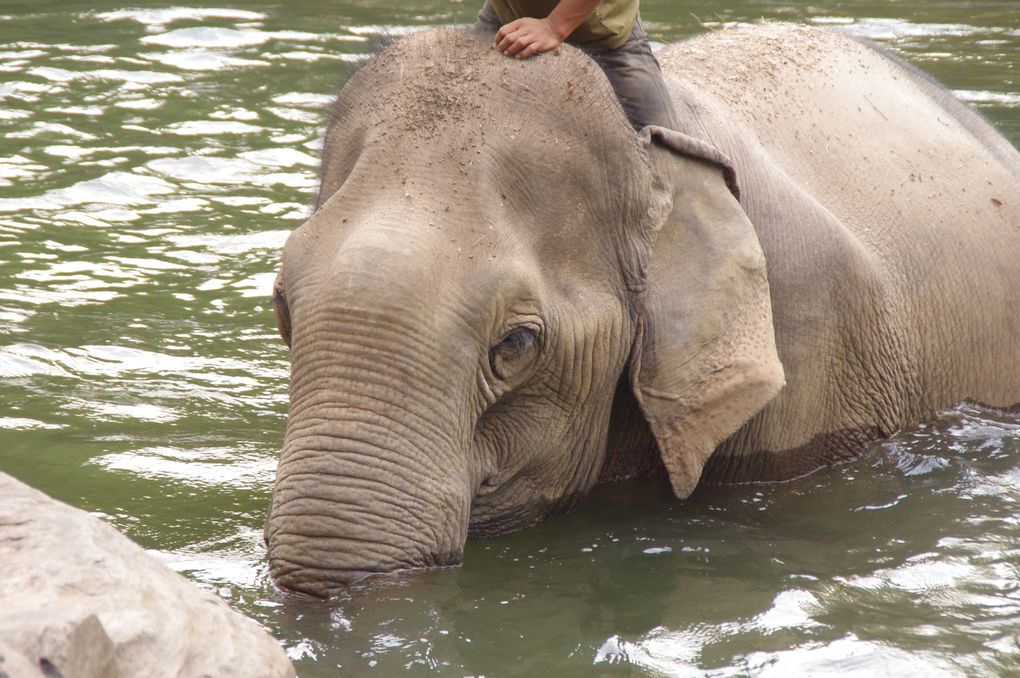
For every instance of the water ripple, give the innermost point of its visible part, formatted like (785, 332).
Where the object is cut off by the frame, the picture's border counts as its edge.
(225, 38)
(984, 98)
(203, 467)
(202, 60)
(158, 18)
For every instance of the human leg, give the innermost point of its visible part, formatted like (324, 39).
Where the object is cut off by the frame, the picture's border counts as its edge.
(637, 80)
(488, 20)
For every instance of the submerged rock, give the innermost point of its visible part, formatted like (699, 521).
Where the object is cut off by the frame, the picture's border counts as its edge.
(80, 600)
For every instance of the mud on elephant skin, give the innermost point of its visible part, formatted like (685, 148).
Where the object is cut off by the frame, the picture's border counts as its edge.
(505, 295)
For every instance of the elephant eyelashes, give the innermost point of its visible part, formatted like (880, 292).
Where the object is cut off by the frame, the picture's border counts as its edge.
(517, 339)
(282, 315)
(511, 352)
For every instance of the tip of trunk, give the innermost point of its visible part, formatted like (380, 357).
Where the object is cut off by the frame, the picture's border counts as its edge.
(313, 582)
(326, 583)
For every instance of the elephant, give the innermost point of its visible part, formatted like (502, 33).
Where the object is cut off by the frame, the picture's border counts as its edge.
(506, 295)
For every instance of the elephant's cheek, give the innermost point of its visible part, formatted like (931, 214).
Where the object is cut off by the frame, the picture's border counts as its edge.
(343, 509)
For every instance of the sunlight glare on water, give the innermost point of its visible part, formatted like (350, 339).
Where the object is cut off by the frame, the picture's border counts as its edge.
(153, 161)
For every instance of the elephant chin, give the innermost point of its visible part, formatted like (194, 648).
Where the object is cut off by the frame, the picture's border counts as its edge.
(490, 519)
(503, 524)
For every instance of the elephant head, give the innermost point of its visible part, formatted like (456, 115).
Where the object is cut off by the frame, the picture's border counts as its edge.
(494, 250)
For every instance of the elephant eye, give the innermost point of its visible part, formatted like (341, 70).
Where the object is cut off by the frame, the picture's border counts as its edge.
(281, 311)
(517, 339)
(509, 353)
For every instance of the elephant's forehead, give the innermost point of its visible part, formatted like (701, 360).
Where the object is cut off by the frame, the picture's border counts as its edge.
(444, 151)
(444, 84)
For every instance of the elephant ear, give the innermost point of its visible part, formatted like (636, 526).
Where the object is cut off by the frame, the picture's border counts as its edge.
(704, 358)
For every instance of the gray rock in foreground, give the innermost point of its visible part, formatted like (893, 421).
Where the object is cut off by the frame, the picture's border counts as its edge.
(80, 600)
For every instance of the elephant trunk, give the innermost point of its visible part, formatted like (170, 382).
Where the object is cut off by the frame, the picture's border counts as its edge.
(346, 506)
(370, 479)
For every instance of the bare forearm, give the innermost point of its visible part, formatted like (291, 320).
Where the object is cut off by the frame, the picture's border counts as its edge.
(569, 14)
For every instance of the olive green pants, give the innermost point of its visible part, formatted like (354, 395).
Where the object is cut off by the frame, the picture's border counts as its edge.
(632, 70)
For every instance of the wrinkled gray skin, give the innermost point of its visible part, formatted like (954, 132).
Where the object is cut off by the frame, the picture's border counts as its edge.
(506, 295)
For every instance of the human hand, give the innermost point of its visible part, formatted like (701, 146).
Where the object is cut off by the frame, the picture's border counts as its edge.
(525, 37)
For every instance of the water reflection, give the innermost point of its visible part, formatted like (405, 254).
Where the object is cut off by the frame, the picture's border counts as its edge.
(881, 565)
(152, 164)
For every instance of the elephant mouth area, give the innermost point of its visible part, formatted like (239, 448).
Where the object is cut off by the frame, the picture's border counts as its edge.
(490, 521)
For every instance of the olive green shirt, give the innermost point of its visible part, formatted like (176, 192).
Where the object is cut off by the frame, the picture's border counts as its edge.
(608, 28)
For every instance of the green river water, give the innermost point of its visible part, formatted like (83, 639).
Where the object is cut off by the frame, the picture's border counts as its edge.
(153, 158)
